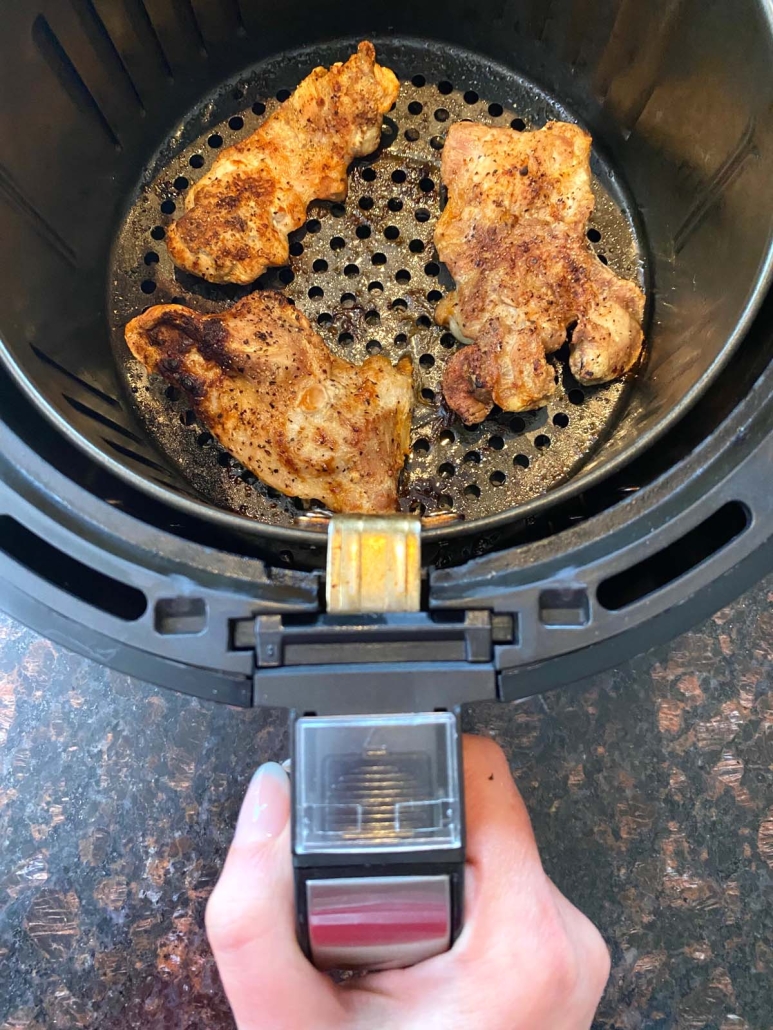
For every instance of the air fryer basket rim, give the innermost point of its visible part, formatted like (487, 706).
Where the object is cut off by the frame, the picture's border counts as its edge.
(229, 520)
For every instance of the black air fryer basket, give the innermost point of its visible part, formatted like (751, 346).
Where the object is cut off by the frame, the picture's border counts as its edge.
(553, 543)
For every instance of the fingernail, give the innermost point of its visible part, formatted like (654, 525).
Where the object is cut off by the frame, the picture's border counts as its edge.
(266, 806)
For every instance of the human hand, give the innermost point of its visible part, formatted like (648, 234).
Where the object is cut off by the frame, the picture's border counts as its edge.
(526, 959)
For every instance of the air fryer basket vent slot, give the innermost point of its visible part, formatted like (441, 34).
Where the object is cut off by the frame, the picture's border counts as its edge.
(659, 570)
(67, 573)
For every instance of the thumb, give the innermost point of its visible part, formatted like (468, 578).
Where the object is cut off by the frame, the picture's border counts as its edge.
(251, 921)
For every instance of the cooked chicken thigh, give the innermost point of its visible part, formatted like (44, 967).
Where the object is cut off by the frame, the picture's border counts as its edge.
(238, 216)
(513, 237)
(267, 387)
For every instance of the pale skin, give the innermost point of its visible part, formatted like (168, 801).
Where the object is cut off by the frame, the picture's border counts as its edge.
(526, 959)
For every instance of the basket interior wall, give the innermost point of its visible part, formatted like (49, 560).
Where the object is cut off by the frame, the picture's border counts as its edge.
(677, 95)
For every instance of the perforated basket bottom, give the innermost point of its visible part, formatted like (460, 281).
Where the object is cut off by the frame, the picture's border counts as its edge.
(367, 275)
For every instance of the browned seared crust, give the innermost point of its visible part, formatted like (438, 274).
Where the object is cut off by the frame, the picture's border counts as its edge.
(238, 216)
(513, 237)
(266, 386)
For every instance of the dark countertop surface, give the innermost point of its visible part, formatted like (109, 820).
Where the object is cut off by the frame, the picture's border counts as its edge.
(651, 789)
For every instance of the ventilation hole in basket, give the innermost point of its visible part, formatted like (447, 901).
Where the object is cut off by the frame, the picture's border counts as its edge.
(391, 232)
(561, 420)
(497, 478)
(286, 557)
(373, 347)
(196, 161)
(248, 478)
(258, 108)
(495, 110)
(316, 292)
(236, 123)
(401, 338)
(224, 460)
(437, 142)
(473, 458)
(447, 470)
(362, 232)
(428, 395)
(151, 258)
(445, 87)
(419, 81)
(603, 259)
(446, 438)
(168, 207)
(445, 501)
(403, 275)
(441, 114)
(205, 439)
(348, 300)
(424, 321)
(417, 246)
(375, 287)
(517, 424)
(325, 318)
(576, 397)
(337, 243)
(521, 461)
(422, 214)
(296, 249)
(286, 276)
(542, 442)
(368, 174)
(172, 393)
(215, 140)
(282, 95)
(432, 268)
(378, 259)
(426, 185)
(421, 446)
(188, 417)
(351, 270)
(395, 204)
(411, 135)
(178, 300)
(434, 296)
(448, 340)
(148, 286)
(518, 124)
(366, 203)
(426, 361)
(496, 443)
(313, 226)
(181, 183)
(398, 176)
(345, 339)
(471, 97)
(337, 210)
(399, 304)
(594, 235)
(415, 107)
(373, 318)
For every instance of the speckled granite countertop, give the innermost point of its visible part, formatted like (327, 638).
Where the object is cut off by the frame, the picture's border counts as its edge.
(651, 790)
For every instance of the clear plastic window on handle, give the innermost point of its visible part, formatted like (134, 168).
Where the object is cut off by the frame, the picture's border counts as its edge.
(377, 783)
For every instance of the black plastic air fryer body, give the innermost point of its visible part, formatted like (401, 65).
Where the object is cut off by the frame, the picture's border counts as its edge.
(553, 543)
